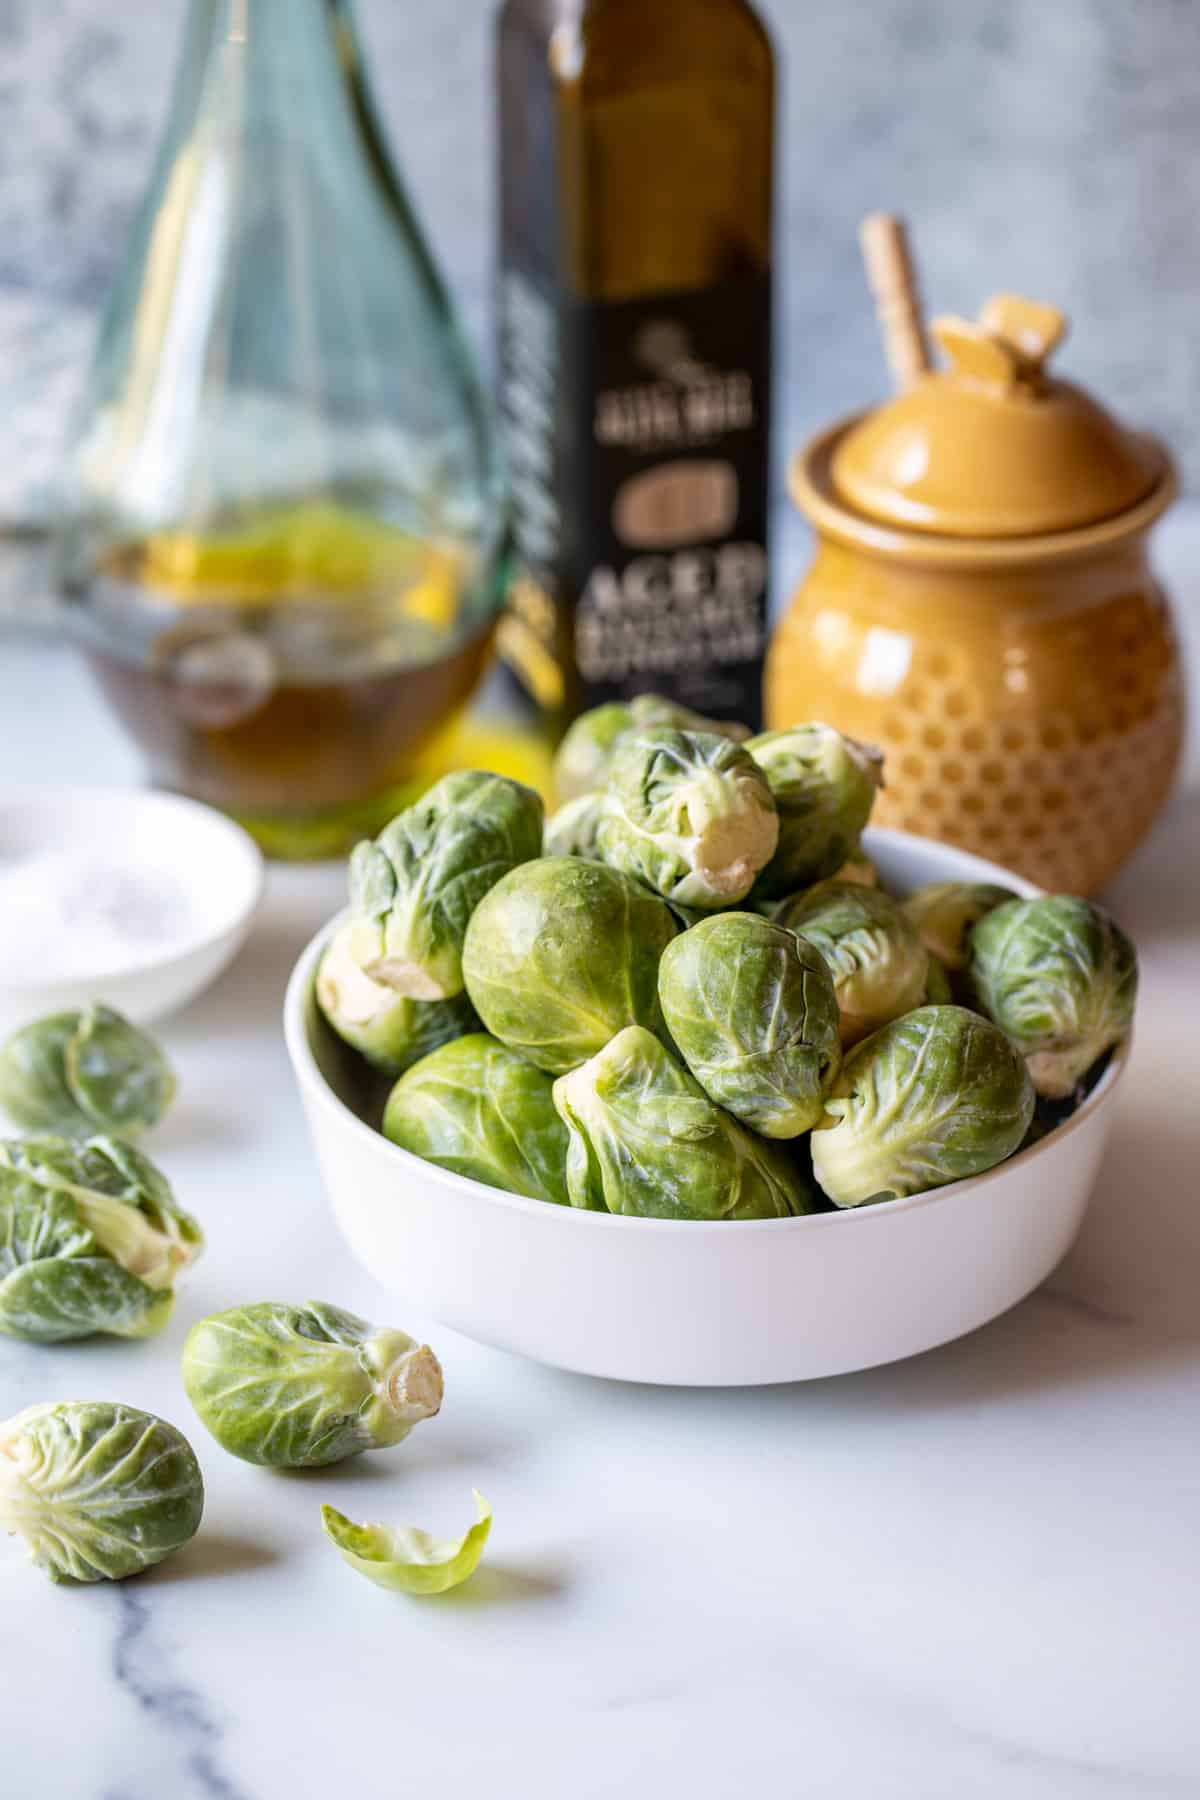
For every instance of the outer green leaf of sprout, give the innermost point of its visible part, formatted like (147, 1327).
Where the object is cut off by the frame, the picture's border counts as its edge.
(878, 962)
(80, 1072)
(561, 955)
(406, 1559)
(479, 1109)
(296, 1387)
(752, 1011)
(581, 764)
(688, 814)
(573, 829)
(824, 787)
(98, 1491)
(414, 889)
(391, 1031)
(930, 1098)
(946, 912)
(1061, 979)
(91, 1240)
(647, 1141)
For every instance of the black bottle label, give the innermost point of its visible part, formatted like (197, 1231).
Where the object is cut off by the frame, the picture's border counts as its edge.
(637, 437)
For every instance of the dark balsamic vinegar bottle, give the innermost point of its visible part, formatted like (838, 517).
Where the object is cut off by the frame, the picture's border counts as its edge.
(634, 308)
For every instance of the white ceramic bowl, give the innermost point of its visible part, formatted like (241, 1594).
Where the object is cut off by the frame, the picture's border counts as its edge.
(702, 1304)
(177, 840)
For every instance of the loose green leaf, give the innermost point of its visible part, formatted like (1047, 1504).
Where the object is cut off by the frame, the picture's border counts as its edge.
(98, 1491)
(479, 1109)
(574, 829)
(296, 1387)
(83, 1072)
(406, 1559)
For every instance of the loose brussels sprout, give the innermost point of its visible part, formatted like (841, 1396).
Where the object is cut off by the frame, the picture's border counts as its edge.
(946, 911)
(406, 1559)
(1061, 979)
(878, 962)
(416, 886)
(690, 815)
(581, 764)
(930, 1098)
(573, 829)
(296, 1387)
(388, 1028)
(91, 1240)
(859, 869)
(646, 1140)
(478, 1108)
(824, 787)
(97, 1491)
(561, 955)
(752, 1010)
(82, 1072)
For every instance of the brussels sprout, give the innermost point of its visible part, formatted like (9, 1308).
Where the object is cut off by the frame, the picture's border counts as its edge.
(388, 1028)
(646, 1140)
(690, 815)
(296, 1387)
(406, 1559)
(97, 1491)
(859, 869)
(946, 911)
(752, 1010)
(478, 1108)
(561, 955)
(1061, 979)
(573, 829)
(878, 962)
(416, 886)
(90, 1240)
(581, 764)
(824, 787)
(930, 1098)
(84, 1071)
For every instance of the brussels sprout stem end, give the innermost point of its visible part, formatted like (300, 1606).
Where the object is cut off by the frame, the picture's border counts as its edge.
(413, 1385)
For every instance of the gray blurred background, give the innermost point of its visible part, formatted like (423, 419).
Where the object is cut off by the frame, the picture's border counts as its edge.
(1043, 145)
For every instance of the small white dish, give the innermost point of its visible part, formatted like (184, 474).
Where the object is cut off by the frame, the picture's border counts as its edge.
(692, 1303)
(182, 848)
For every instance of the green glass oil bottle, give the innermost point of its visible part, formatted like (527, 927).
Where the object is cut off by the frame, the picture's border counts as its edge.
(634, 347)
(287, 535)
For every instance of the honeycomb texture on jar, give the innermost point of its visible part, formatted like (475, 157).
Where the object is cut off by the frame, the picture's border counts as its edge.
(1043, 742)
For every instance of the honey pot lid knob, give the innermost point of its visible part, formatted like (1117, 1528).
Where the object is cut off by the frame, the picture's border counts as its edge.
(991, 445)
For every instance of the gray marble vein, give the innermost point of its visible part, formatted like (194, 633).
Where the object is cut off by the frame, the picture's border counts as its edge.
(173, 1709)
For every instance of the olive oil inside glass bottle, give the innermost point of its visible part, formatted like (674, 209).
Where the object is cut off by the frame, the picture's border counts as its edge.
(636, 176)
(287, 539)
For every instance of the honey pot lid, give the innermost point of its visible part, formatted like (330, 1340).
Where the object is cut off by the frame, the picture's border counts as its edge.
(991, 445)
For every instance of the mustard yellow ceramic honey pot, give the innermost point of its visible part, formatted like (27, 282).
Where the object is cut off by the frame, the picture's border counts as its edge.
(981, 605)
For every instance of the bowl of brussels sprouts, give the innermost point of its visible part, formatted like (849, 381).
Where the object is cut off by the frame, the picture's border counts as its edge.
(702, 1080)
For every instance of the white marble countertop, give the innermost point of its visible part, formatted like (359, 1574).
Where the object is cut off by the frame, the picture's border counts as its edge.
(973, 1574)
